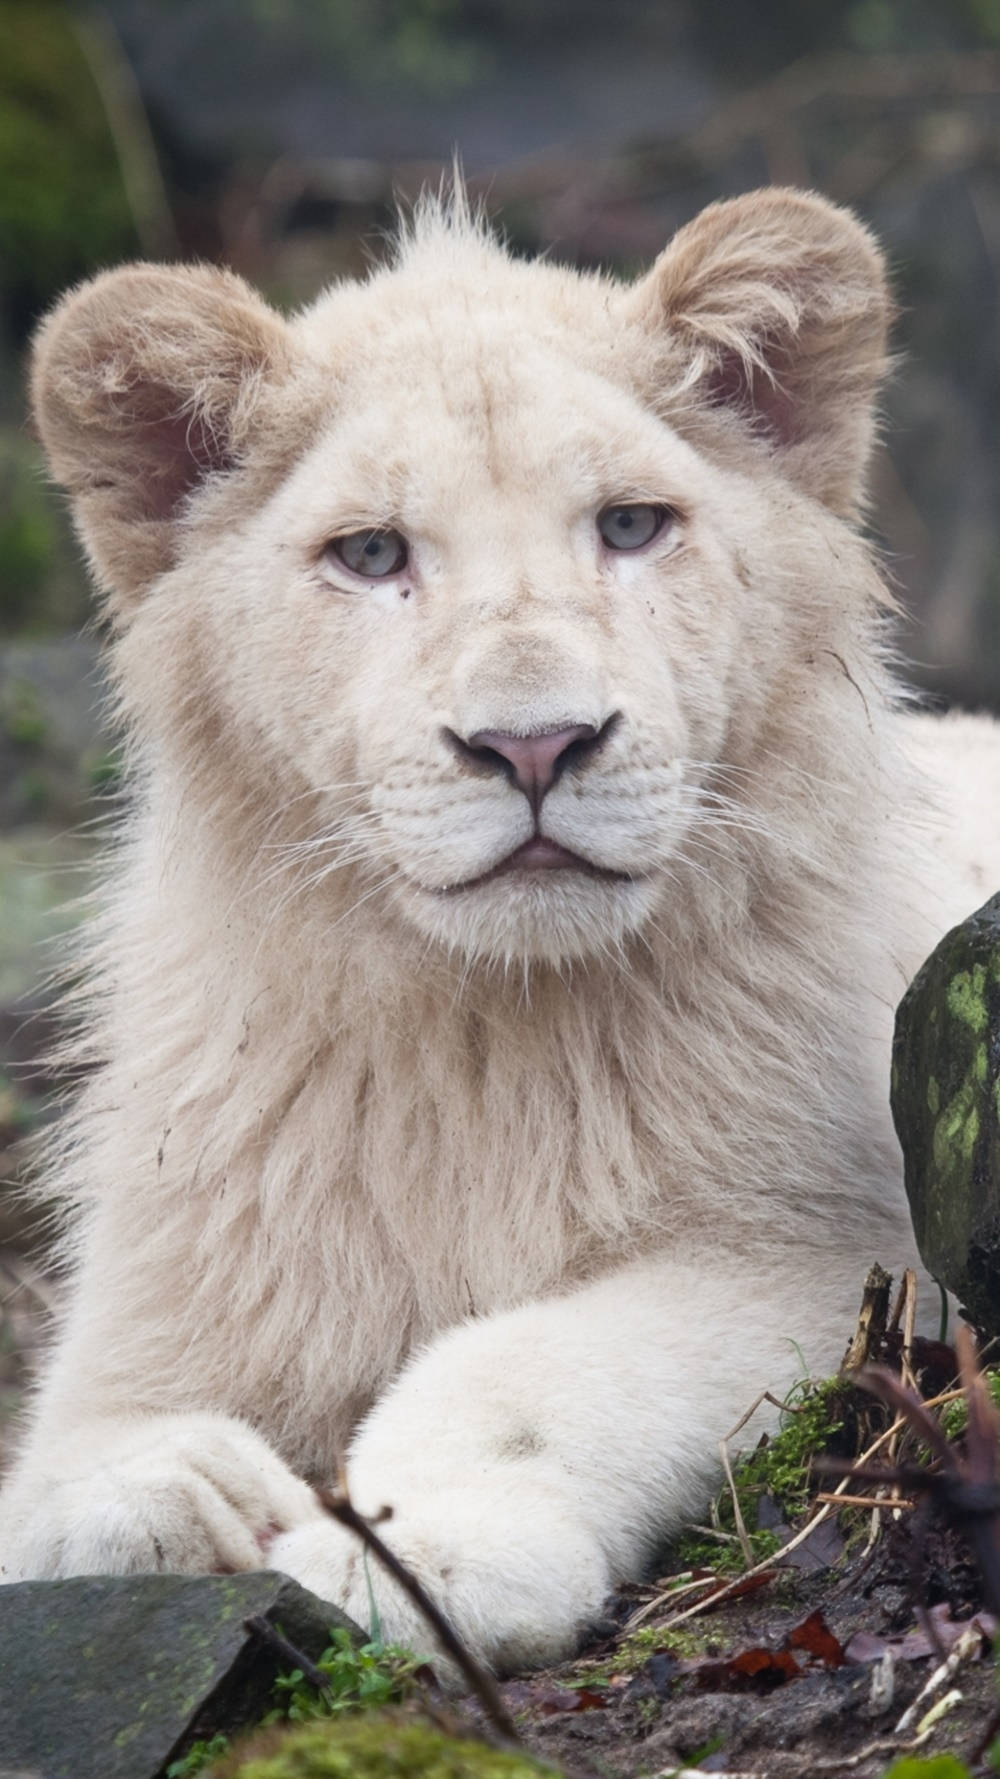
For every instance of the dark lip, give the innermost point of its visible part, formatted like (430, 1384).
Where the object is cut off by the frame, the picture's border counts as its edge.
(539, 854)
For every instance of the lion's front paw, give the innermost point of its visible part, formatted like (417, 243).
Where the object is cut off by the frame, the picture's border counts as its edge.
(331, 1561)
(189, 1493)
(517, 1586)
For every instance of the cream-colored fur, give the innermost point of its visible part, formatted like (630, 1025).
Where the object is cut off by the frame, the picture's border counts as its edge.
(518, 1190)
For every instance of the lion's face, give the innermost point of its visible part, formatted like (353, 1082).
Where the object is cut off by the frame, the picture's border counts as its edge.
(492, 614)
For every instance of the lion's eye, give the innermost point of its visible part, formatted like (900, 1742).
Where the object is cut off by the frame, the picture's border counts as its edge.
(374, 554)
(629, 527)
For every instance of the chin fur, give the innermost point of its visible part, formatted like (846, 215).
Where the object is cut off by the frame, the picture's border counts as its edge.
(532, 919)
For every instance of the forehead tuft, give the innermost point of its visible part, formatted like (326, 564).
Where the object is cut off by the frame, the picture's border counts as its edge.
(446, 222)
(447, 267)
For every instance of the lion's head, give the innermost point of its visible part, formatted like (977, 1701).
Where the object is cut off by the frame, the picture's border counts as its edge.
(481, 577)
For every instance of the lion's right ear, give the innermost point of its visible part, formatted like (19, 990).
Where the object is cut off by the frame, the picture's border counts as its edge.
(145, 381)
(778, 301)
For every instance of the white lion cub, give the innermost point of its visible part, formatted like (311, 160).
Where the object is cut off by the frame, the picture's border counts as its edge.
(489, 1028)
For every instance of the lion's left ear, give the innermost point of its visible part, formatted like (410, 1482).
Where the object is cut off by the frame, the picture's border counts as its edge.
(779, 302)
(146, 382)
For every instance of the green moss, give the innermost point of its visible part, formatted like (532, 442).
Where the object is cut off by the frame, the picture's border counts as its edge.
(781, 1468)
(956, 1129)
(725, 1557)
(634, 1651)
(933, 1096)
(955, 1415)
(937, 1766)
(966, 998)
(374, 1748)
(784, 1466)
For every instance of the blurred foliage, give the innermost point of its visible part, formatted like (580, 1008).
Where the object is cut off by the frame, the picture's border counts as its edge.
(41, 581)
(756, 40)
(438, 44)
(63, 208)
(42, 880)
(381, 42)
(399, 37)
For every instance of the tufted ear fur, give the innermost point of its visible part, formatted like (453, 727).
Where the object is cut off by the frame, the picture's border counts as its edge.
(144, 382)
(780, 303)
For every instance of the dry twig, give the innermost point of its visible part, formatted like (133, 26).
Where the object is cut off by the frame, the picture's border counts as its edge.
(269, 1634)
(872, 1318)
(718, 1595)
(888, 1503)
(479, 1680)
(969, 1644)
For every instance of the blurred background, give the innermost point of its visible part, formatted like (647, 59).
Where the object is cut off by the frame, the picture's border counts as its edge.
(278, 135)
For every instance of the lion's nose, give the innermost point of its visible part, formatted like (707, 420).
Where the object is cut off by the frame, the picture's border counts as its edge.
(531, 762)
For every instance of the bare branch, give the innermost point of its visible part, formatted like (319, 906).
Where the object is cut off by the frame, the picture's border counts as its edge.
(480, 1681)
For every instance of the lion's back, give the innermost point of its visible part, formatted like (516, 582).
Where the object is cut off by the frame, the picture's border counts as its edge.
(958, 757)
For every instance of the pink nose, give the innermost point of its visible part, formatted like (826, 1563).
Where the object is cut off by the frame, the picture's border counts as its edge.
(533, 762)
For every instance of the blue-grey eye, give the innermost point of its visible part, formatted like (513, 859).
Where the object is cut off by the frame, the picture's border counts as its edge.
(375, 554)
(629, 527)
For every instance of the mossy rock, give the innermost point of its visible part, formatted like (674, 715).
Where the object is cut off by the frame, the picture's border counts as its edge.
(113, 1677)
(374, 1746)
(946, 1105)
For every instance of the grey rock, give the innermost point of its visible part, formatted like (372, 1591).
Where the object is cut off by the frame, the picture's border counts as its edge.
(112, 1677)
(946, 1105)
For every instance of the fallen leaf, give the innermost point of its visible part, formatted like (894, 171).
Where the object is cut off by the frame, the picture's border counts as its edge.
(865, 1646)
(916, 1645)
(815, 1637)
(823, 1547)
(753, 1668)
(761, 1667)
(576, 1698)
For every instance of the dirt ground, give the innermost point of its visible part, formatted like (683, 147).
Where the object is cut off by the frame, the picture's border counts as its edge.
(647, 1708)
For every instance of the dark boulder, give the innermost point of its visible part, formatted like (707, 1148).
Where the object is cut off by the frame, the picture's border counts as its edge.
(111, 1677)
(946, 1105)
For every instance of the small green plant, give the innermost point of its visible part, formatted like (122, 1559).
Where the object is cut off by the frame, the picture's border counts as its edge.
(955, 1415)
(357, 1677)
(199, 1756)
